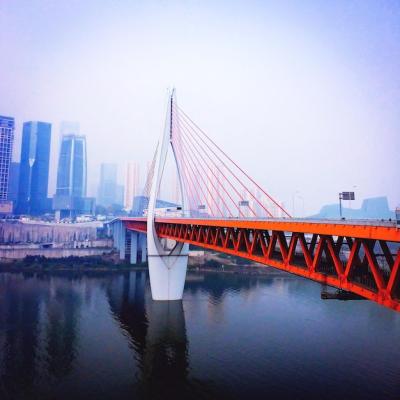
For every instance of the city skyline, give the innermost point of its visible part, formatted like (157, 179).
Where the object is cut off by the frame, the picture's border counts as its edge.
(34, 146)
(64, 128)
(26, 183)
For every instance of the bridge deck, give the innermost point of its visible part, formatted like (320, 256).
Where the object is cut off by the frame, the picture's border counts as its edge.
(367, 229)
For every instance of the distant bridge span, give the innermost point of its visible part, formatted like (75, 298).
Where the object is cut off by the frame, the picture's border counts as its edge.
(362, 257)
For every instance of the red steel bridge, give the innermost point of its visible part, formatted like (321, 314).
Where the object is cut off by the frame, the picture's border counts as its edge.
(343, 255)
(223, 209)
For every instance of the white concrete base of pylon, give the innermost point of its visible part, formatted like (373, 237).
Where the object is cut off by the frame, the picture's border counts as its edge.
(167, 275)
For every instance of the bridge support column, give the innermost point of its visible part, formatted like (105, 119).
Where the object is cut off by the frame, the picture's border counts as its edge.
(143, 247)
(122, 241)
(134, 240)
(115, 234)
(119, 233)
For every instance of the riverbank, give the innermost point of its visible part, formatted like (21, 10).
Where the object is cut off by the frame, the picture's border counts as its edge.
(105, 261)
(110, 262)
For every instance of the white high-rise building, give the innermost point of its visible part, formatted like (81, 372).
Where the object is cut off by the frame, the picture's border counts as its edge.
(6, 147)
(213, 191)
(132, 182)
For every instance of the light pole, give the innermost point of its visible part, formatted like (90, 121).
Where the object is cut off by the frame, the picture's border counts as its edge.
(295, 195)
(354, 189)
(293, 202)
(302, 206)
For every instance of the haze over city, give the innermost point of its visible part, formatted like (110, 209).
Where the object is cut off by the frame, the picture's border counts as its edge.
(304, 95)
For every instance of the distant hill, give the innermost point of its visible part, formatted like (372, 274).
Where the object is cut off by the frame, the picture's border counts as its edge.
(375, 207)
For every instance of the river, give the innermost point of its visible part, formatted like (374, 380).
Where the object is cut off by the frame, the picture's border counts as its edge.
(98, 335)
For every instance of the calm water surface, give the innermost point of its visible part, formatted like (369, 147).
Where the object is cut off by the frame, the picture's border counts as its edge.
(100, 336)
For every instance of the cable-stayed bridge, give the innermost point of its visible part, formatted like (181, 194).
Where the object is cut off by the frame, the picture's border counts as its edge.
(223, 209)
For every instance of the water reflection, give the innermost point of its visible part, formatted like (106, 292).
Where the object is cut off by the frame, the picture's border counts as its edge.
(19, 315)
(99, 335)
(62, 308)
(126, 298)
(157, 334)
(217, 285)
(38, 329)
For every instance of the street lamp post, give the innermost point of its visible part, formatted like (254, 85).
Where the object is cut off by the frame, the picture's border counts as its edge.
(293, 203)
(295, 195)
(302, 206)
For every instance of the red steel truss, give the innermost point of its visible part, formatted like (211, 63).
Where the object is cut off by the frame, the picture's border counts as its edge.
(362, 259)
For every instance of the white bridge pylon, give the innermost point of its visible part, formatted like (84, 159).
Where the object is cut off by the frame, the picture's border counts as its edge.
(167, 268)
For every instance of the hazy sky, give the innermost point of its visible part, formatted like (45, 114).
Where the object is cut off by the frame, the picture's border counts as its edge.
(305, 95)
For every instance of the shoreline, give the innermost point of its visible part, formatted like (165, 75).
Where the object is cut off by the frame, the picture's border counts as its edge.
(84, 265)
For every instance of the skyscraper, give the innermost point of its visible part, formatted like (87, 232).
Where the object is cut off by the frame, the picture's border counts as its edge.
(6, 144)
(34, 168)
(108, 184)
(132, 180)
(13, 184)
(119, 194)
(70, 198)
(71, 173)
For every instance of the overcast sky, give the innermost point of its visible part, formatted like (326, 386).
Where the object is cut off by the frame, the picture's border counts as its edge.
(305, 95)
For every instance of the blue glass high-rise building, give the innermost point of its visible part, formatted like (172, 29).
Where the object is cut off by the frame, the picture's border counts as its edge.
(71, 174)
(34, 168)
(70, 198)
(6, 145)
(13, 184)
(108, 184)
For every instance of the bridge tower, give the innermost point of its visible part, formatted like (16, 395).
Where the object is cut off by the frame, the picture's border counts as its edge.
(167, 268)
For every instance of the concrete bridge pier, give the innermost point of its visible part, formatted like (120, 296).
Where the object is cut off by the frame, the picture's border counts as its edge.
(133, 244)
(133, 255)
(138, 248)
(167, 271)
(119, 235)
(143, 246)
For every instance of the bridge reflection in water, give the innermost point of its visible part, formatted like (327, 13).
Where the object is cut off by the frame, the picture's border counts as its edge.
(157, 333)
(99, 335)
